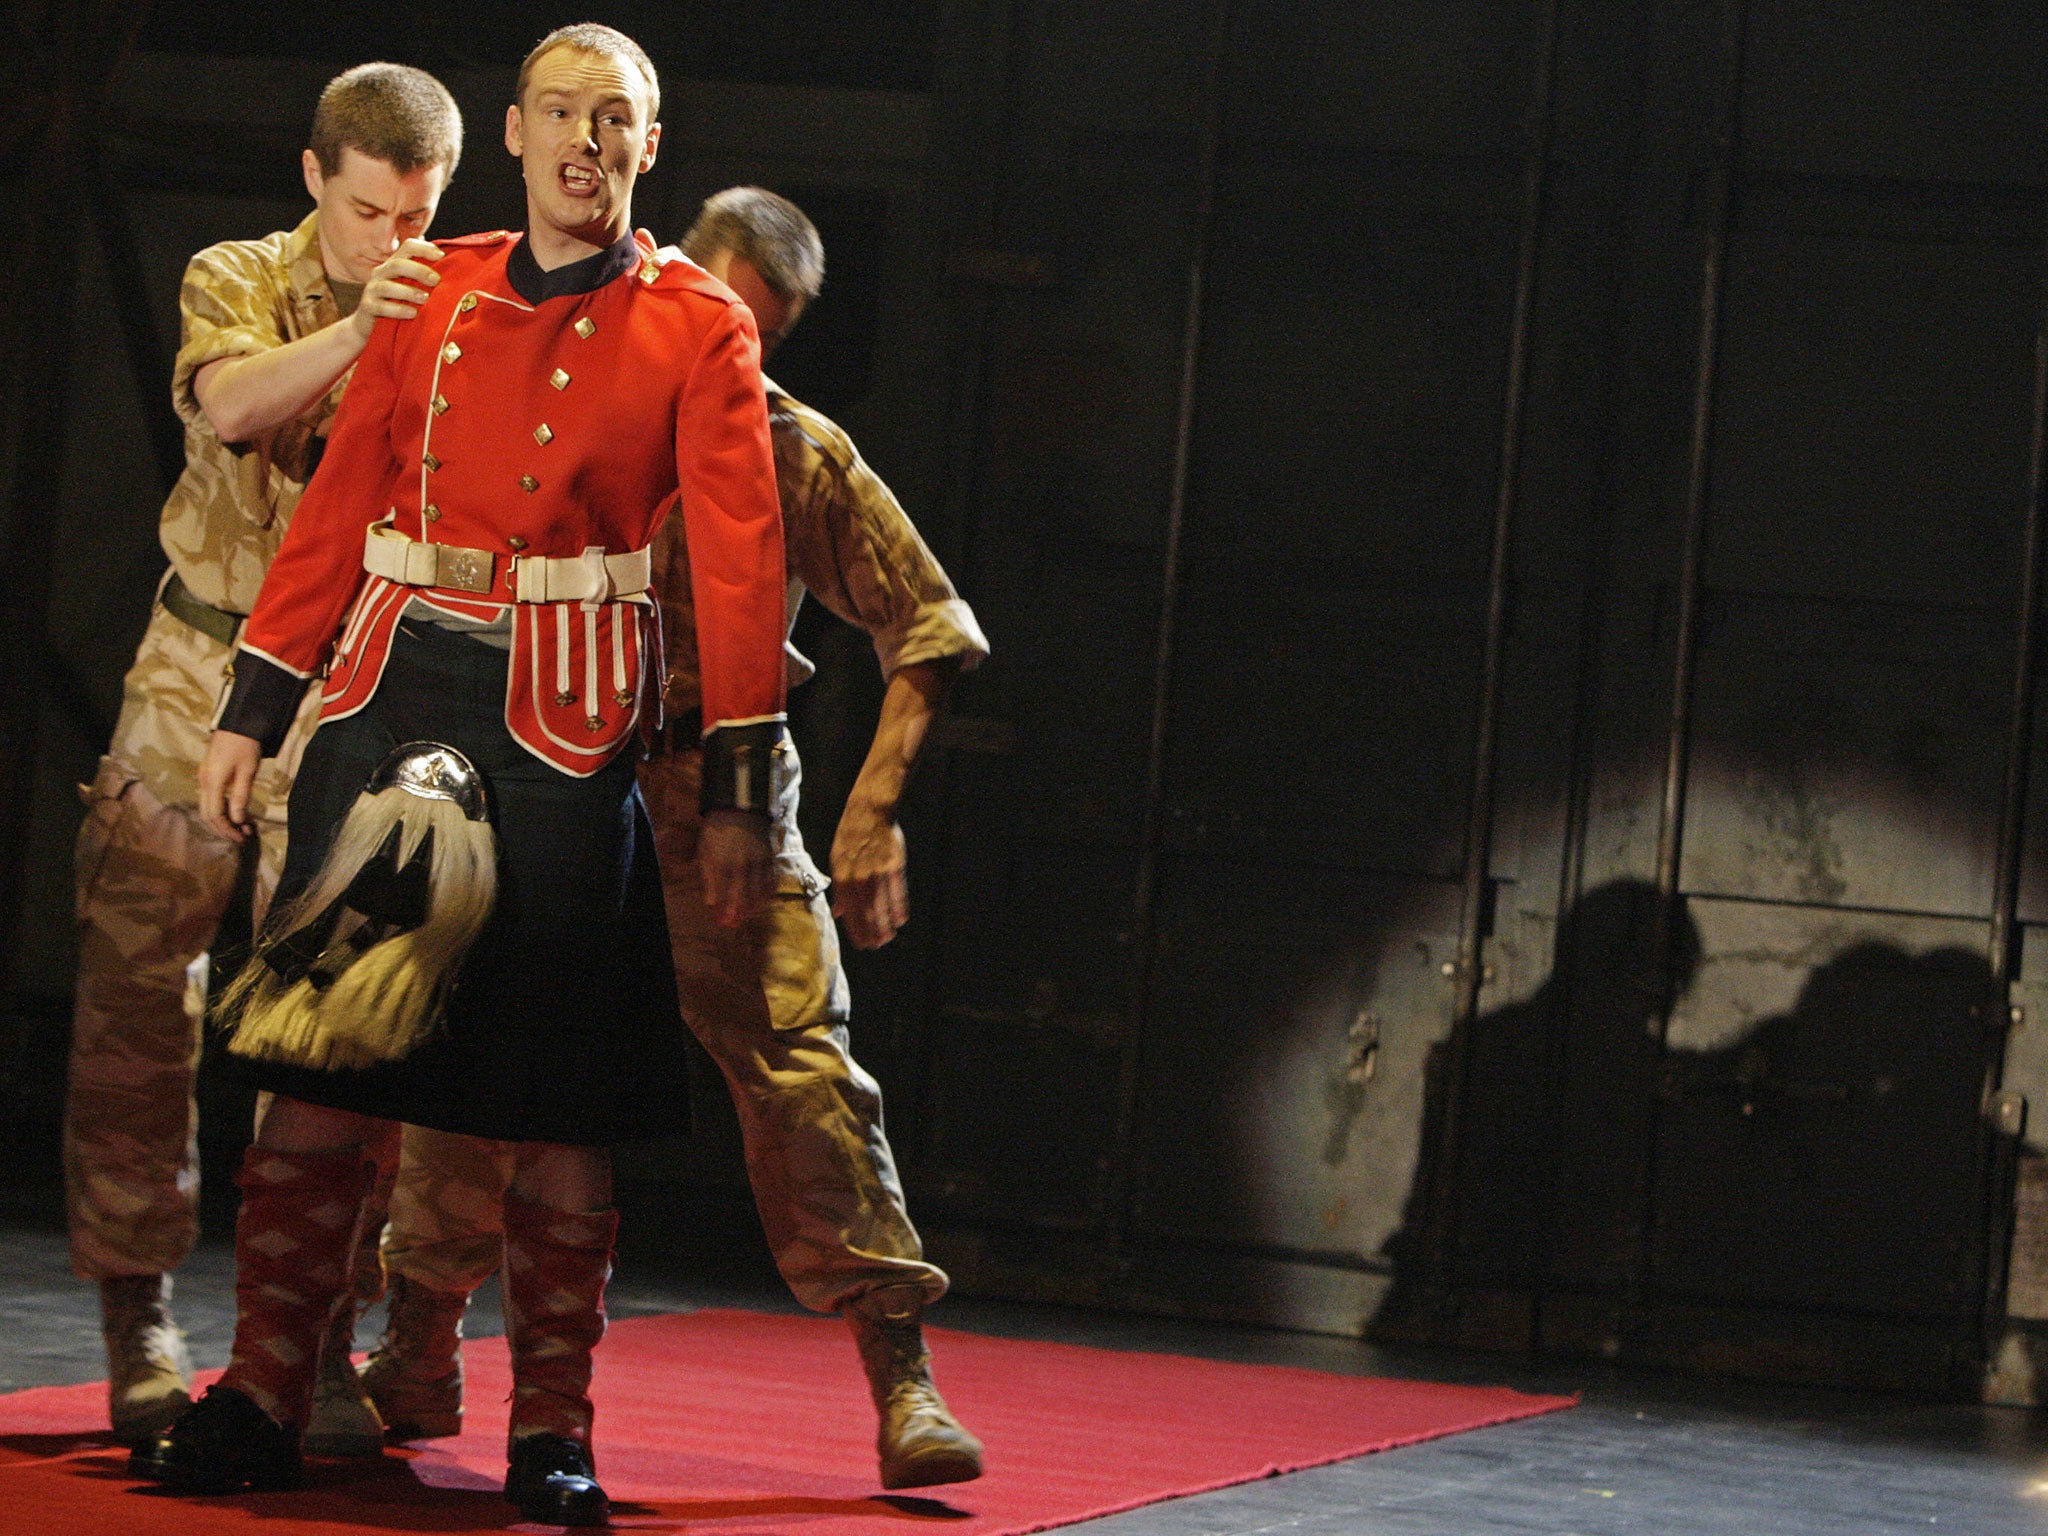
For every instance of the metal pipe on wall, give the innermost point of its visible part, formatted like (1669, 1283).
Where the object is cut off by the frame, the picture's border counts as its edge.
(2004, 944)
(1145, 885)
(2004, 1119)
(977, 57)
(1474, 913)
(1724, 149)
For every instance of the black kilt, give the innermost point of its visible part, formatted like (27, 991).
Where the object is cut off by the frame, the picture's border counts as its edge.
(562, 1024)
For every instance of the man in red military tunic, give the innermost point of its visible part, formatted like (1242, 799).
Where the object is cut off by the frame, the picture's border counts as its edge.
(768, 999)
(469, 568)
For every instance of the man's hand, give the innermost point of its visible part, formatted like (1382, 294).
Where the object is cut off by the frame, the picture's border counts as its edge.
(398, 286)
(870, 893)
(224, 780)
(732, 852)
(256, 392)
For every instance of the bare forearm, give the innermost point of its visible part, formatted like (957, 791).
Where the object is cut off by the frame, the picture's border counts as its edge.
(871, 894)
(243, 396)
(246, 396)
(914, 697)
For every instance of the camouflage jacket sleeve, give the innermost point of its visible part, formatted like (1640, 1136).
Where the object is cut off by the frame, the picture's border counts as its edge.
(232, 304)
(851, 543)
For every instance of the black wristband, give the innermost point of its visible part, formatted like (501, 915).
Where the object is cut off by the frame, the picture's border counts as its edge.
(263, 702)
(742, 764)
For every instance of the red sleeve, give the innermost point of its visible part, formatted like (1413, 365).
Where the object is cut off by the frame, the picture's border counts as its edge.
(725, 464)
(319, 566)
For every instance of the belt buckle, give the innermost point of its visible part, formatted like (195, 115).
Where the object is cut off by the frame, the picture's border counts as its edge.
(466, 570)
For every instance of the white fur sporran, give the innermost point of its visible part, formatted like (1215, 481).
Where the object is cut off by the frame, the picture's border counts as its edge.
(353, 973)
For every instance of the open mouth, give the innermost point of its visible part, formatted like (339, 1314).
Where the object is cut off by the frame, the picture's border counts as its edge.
(578, 180)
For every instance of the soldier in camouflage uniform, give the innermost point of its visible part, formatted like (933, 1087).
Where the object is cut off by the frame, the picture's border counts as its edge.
(270, 329)
(767, 999)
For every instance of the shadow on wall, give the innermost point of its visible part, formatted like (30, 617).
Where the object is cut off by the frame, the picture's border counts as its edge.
(1526, 1170)
(1823, 1158)
(1830, 1158)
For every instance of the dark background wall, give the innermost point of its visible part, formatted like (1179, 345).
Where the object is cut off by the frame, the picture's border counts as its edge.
(1504, 807)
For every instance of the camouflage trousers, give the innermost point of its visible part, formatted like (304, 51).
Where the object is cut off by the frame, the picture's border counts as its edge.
(769, 1002)
(152, 884)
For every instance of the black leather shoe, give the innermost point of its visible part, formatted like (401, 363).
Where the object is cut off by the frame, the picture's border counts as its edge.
(552, 1482)
(221, 1444)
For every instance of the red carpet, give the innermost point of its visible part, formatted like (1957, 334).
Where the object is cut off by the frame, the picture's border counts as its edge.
(759, 1426)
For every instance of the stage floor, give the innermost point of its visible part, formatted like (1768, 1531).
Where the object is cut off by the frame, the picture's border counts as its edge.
(1646, 1455)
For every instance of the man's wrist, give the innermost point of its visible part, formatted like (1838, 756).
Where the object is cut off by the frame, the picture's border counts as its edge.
(869, 805)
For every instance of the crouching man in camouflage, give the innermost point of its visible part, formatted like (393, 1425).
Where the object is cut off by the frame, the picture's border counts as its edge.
(767, 998)
(270, 329)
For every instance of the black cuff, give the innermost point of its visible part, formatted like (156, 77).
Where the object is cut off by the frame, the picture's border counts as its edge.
(264, 701)
(742, 764)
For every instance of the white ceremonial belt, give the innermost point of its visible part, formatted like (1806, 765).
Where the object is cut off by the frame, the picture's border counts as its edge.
(591, 577)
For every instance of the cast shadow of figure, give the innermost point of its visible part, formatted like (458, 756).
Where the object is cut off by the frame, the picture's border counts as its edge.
(1550, 1091)
(1822, 1157)
(1829, 1157)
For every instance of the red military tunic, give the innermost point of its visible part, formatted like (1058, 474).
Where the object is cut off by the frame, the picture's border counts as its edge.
(557, 427)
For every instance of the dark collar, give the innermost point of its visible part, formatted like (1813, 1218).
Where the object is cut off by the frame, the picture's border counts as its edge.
(585, 276)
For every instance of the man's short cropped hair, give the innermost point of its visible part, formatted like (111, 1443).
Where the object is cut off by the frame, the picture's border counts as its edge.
(390, 112)
(594, 37)
(770, 233)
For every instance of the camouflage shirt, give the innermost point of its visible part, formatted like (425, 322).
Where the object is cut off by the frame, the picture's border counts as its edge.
(228, 512)
(846, 539)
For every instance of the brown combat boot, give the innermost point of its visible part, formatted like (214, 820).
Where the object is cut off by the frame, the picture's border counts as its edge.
(149, 1372)
(414, 1375)
(345, 1420)
(920, 1442)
